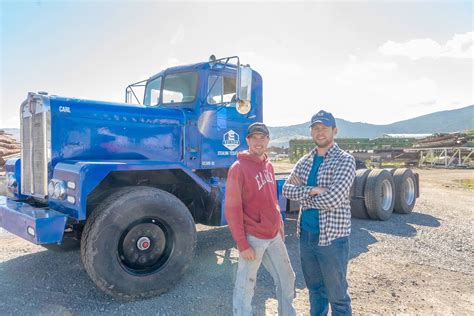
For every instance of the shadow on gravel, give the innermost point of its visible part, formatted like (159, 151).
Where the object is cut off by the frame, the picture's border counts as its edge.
(223, 267)
(398, 225)
(49, 282)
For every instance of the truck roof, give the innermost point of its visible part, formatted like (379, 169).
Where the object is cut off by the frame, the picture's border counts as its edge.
(199, 66)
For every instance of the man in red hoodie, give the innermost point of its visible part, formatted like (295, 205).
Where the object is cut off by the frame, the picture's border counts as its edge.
(254, 218)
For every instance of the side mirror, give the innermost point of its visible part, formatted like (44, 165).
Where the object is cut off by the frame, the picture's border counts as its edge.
(244, 89)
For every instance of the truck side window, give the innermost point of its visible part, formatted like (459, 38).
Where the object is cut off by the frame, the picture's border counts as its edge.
(180, 87)
(152, 92)
(220, 89)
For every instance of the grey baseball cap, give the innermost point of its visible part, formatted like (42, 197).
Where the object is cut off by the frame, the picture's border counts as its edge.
(258, 127)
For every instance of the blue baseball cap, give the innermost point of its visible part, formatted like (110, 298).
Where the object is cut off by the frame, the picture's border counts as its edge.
(323, 117)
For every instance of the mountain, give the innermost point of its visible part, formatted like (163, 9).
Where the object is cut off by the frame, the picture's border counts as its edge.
(438, 122)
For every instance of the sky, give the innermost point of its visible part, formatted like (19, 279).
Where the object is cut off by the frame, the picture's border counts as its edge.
(365, 61)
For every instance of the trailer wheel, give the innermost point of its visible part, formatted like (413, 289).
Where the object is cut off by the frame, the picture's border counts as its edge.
(378, 193)
(358, 209)
(138, 242)
(405, 190)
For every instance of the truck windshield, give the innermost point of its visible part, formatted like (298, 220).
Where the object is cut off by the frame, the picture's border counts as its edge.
(153, 91)
(220, 89)
(176, 88)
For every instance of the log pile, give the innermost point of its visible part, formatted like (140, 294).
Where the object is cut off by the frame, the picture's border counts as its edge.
(442, 140)
(9, 148)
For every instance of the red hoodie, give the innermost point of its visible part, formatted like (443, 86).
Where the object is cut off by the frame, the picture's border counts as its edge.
(251, 205)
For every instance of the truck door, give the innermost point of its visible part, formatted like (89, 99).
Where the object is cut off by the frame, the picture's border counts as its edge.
(222, 128)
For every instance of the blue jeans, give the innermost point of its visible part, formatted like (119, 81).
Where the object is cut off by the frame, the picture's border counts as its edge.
(274, 257)
(325, 273)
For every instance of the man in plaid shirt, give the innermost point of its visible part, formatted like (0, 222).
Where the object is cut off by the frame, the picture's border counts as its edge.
(321, 182)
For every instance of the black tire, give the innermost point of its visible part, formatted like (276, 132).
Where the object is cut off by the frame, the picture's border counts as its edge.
(358, 209)
(138, 242)
(405, 190)
(379, 194)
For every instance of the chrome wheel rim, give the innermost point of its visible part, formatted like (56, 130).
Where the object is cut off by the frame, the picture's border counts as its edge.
(387, 195)
(409, 192)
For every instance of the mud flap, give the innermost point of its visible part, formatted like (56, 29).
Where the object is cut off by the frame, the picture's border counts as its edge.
(417, 184)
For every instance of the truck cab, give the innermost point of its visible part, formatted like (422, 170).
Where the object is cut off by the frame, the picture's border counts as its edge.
(130, 180)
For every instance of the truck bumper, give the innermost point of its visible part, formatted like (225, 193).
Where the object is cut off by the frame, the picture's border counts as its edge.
(37, 225)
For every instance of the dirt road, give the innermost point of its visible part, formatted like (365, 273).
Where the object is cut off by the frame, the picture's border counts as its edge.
(417, 264)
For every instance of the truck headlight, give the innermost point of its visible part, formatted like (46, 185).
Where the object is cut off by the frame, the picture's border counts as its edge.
(71, 199)
(11, 180)
(51, 188)
(71, 185)
(12, 184)
(60, 190)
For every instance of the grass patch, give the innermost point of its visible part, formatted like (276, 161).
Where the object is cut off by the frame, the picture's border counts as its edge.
(467, 183)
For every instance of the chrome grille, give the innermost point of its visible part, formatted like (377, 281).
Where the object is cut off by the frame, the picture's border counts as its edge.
(36, 145)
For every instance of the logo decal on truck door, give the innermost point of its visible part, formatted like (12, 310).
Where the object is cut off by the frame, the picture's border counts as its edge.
(231, 140)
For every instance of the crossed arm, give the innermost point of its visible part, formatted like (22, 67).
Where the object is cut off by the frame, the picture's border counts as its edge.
(295, 180)
(318, 197)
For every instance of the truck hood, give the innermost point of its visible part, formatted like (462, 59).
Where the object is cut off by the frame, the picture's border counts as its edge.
(87, 129)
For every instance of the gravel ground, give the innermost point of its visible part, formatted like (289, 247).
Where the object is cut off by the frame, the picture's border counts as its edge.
(417, 264)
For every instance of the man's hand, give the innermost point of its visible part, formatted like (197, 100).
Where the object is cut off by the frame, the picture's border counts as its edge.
(282, 232)
(317, 190)
(295, 180)
(248, 254)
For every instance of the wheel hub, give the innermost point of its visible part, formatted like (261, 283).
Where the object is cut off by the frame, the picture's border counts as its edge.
(142, 246)
(143, 243)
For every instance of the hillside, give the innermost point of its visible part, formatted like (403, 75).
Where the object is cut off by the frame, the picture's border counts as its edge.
(438, 122)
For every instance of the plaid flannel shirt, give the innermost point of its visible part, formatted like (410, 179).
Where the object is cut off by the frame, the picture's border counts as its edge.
(336, 174)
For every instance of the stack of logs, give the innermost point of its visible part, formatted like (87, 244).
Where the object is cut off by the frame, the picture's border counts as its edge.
(9, 148)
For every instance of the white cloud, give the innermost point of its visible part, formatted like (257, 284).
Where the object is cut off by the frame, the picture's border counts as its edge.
(460, 46)
(265, 64)
(178, 37)
(171, 62)
(377, 92)
(417, 92)
(287, 92)
(360, 90)
(11, 122)
(355, 70)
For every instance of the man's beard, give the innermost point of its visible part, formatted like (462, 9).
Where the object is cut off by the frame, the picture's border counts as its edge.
(323, 143)
(257, 152)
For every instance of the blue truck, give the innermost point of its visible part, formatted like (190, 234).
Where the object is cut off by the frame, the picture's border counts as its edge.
(130, 181)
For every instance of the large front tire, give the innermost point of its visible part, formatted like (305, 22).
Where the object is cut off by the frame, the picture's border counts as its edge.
(138, 242)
